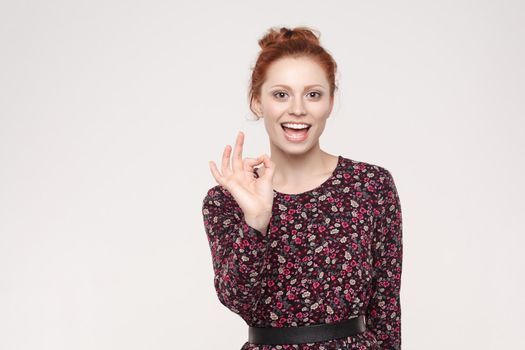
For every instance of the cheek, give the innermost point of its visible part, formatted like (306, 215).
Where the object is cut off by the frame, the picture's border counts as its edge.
(275, 109)
(319, 110)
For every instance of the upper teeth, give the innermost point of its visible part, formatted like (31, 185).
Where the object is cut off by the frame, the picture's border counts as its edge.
(295, 126)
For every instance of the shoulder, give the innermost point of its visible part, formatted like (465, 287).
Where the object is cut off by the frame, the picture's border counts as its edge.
(371, 177)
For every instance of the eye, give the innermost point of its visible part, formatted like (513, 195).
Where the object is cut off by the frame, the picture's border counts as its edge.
(315, 92)
(279, 94)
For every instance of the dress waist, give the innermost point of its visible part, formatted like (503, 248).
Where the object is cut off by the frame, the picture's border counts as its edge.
(306, 334)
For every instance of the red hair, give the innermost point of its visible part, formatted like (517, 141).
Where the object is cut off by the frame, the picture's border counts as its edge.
(285, 42)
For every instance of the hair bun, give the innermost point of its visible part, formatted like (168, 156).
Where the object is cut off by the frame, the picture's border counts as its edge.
(276, 36)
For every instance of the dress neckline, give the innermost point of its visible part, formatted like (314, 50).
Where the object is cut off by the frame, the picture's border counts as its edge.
(319, 187)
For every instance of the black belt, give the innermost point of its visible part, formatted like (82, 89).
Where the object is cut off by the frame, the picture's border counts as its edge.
(306, 334)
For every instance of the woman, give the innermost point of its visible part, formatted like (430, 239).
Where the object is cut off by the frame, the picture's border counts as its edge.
(307, 247)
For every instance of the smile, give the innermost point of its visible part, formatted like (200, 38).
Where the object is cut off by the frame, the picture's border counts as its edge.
(295, 132)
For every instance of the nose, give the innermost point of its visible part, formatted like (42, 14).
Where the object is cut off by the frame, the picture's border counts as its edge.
(297, 107)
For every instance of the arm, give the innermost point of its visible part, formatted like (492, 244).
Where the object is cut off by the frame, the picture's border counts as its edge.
(238, 252)
(384, 309)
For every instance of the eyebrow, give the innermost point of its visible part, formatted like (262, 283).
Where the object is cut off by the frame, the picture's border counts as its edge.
(306, 87)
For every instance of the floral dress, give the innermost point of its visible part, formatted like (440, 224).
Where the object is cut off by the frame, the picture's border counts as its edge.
(330, 253)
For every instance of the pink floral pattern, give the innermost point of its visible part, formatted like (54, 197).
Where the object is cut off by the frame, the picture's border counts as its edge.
(330, 253)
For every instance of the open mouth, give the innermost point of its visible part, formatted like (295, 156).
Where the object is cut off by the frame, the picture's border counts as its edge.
(297, 133)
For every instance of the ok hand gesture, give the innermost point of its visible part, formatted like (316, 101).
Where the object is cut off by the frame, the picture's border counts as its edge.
(254, 195)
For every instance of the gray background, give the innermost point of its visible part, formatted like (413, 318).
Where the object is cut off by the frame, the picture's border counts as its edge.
(111, 110)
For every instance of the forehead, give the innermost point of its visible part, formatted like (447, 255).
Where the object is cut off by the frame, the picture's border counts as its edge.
(295, 72)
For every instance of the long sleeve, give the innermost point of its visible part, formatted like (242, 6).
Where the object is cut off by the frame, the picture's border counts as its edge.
(384, 309)
(238, 252)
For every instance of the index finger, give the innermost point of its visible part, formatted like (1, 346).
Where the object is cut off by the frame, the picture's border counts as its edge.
(237, 152)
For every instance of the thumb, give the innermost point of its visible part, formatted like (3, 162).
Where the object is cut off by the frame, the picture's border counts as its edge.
(269, 167)
(250, 162)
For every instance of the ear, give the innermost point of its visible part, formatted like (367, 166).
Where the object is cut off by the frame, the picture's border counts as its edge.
(256, 105)
(331, 105)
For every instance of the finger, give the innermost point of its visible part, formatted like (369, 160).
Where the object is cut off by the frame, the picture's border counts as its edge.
(215, 172)
(254, 161)
(269, 167)
(250, 163)
(237, 152)
(225, 163)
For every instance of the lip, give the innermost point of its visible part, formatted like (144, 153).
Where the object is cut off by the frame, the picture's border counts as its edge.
(309, 125)
(296, 140)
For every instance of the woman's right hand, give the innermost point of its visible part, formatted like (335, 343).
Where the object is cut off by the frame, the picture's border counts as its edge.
(254, 195)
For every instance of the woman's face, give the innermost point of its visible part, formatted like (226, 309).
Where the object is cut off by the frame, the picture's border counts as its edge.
(296, 90)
